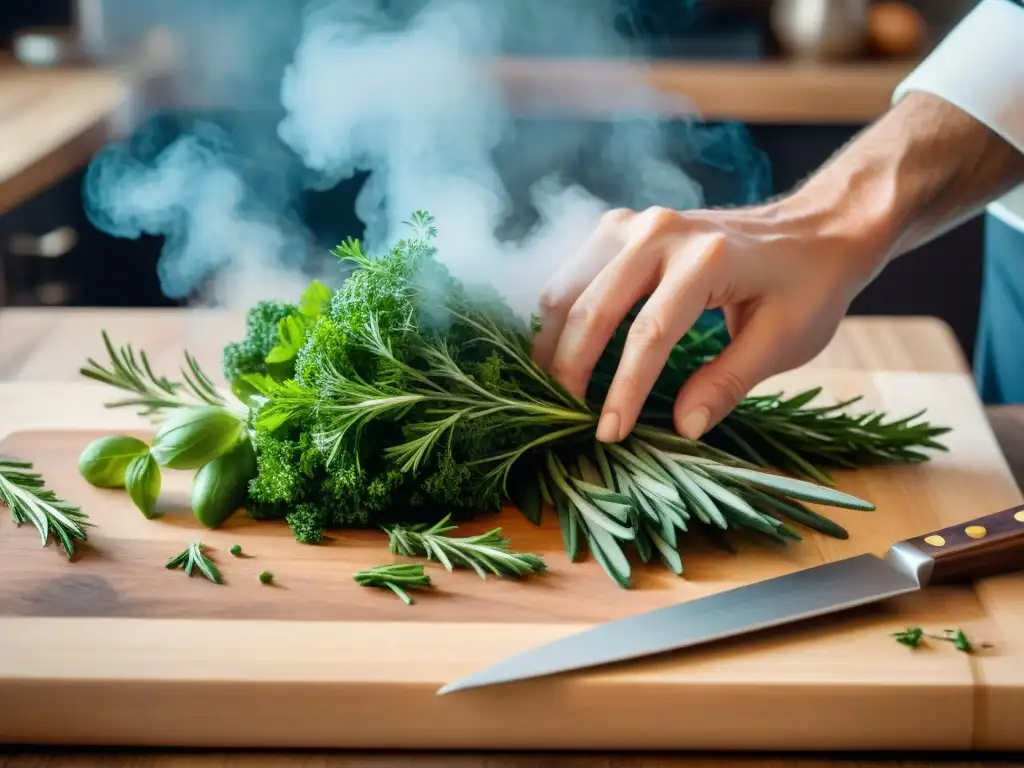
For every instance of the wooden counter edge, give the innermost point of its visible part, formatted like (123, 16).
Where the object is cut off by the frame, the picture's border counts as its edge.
(760, 91)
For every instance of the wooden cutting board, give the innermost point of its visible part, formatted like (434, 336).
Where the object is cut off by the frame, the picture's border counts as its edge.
(113, 648)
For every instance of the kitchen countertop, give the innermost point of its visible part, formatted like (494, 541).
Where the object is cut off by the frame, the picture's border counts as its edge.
(768, 91)
(48, 346)
(53, 119)
(51, 122)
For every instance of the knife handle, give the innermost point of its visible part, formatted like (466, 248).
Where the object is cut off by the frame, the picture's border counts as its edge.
(990, 545)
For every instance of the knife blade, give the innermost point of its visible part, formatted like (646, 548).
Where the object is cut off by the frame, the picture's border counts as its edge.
(990, 545)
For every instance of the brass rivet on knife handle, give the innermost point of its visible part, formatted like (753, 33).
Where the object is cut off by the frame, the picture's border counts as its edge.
(975, 548)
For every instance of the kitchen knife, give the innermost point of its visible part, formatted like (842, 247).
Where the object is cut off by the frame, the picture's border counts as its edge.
(989, 545)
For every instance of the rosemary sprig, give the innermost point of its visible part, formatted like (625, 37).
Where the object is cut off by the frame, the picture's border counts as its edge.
(397, 577)
(647, 492)
(193, 558)
(25, 494)
(131, 372)
(484, 552)
(774, 431)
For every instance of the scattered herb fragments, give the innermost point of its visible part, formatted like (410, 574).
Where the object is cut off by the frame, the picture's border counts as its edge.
(486, 552)
(266, 577)
(236, 550)
(193, 558)
(412, 397)
(25, 494)
(959, 640)
(397, 578)
(910, 637)
(913, 637)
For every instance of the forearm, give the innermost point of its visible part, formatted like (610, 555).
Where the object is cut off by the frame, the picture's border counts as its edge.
(922, 169)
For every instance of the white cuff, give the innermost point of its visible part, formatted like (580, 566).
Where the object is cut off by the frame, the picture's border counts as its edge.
(979, 67)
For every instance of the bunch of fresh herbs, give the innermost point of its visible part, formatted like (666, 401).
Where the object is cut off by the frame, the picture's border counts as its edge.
(406, 397)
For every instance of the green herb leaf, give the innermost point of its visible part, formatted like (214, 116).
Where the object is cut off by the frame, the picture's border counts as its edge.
(193, 558)
(398, 578)
(25, 494)
(143, 482)
(194, 436)
(959, 640)
(314, 299)
(105, 460)
(152, 394)
(486, 552)
(910, 637)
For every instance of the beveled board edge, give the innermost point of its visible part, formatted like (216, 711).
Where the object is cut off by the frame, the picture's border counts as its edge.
(374, 685)
(997, 688)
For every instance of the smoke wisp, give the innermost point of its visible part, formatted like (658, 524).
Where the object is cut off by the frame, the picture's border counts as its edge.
(402, 93)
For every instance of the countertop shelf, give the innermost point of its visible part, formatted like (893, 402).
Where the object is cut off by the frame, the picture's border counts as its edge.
(52, 120)
(775, 91)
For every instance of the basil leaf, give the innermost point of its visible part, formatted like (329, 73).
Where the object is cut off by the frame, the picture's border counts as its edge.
(104, 461)
(143, 482)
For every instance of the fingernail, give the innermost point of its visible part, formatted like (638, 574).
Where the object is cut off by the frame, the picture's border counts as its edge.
(695, 423)
(608, 428)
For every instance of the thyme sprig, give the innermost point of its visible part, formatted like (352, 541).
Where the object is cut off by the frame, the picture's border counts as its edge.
(397, 577)
(486, 552)
(154, 394)
(193, 558)
(25, 494)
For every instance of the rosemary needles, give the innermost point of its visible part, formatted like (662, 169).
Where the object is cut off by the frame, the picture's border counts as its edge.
(397, 577)
(25, 494)
(484, 552)
(194, 558)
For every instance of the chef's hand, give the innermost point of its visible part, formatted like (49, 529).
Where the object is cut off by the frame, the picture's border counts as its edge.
(782, 279)
(784, 273)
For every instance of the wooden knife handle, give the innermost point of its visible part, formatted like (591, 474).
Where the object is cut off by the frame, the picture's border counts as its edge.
(987, 546)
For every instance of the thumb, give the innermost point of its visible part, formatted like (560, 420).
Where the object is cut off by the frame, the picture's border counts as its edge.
(711, 393)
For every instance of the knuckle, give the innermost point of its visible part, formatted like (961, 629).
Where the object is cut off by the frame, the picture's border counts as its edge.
(715, 255)
(586, 322)
(658, 218)
(647, 332)
(581, 316)
(616, 217)
(729, 386)
(627, 388)
(553, 302)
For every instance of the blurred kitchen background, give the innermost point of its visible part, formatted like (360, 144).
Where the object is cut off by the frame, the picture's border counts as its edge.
(796, 77)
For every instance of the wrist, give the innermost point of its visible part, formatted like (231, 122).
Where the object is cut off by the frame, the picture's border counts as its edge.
(850, 217)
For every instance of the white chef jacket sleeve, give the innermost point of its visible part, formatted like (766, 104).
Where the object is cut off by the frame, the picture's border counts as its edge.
(979, 67)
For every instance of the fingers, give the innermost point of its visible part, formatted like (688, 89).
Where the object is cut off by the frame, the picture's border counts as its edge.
(669, 313)
(600, 308)
(711, 393)
(572, 279)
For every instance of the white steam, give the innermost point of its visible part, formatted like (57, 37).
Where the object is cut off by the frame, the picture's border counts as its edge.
(417, 105)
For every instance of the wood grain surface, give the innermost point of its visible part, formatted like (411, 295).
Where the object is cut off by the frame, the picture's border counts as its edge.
(760, 92)
(846, 684)
(51, 122)
(47, 346)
